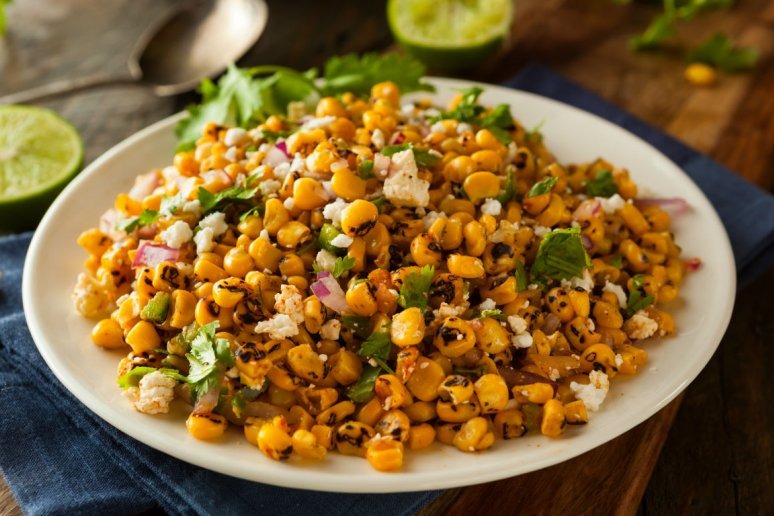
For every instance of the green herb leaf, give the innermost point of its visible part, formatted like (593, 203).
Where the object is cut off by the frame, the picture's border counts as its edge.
(521, 276)
(616, 261)
(363, 390)
(510, 186)
(342, 265)
(468, 109)
(477, 371)
(494, 313)
(423, 158)
(133, 377)
(366, 169)
(602, 185)
(661, 28)
(543, 187)
(415, 290)
(238, 404)
(146, 218)
(561, 255)
(535, 134)
(357, 74)
(377, 345)
(637, 302)
(206, 353)
(155, 310)
(235, 194)
(719, 51)
(358, 325)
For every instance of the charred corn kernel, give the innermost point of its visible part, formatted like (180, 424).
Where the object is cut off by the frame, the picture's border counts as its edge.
(293, 234)
(537, 393)
(108, 334)
(280, 377)
(143, 337)
(359, 218)
(308, 194)
(336, 414)
(456, 388)
(425, 250)
(448, 411)
(486, 140)
(299, 419)
(306, 363)
(207, 311)
(501, 289)
(631, 359)
(445, 432)
(579, 300)
(292, 265)
(394, 424)
(274, 217)
(492, 393)
(377, 240)
(274, 442)
(607, 315)
(352, 436)
(94, 241)
(559, 304)
(408, 327)
(207, 271)
(420, 411)
(491, 337)
(325, 436)
(454, 337)
(361, 299)
(348, 185)
(575, 413)
(391, 391)
(554, 420)
(370, 412)
(579, 335)
(475, 238)
(230, 291)
(206, 426)
(420, 436)
(474, 435)
(481, 185)
(238, 262)
(634, 219)
(599, 357)
(509, 424)
(406, 362)
(425, 380)
(305, 445)
(168, 276)
(265, 255)
(252, 426)
(487, 160)
(554, 212)
(314, 314)
(467, 267)
(316, 399)
(252, 363)
(384, 454)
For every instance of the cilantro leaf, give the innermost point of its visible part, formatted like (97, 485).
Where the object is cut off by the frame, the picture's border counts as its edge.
(561, 255)
(510, 186)
(719, 51)
(616, 261)
(363, 390)
(377, 345)
(534, 134)
(423, 158)
(133, 377)
(602, 185)
(637, 301)
(357, 74)
(205, 356)
(499, 122)
(155, 310)
(661, 28)
(146, 218)
(342, 265)
(521, 276)
(210, 201)
(543, 187)
(356, 323)
(468, 109)
(416, 288)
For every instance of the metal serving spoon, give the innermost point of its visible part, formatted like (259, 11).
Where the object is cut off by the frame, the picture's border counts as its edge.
(173, 55)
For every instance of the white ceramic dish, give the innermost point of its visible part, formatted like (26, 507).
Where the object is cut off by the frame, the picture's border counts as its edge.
(62, 336)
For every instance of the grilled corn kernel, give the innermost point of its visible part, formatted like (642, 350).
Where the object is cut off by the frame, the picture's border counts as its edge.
(391, 391)
(425, 380)
(359, 218)
(384, 454)
(108, 334)
(352, 436)
(538, 393)
(456, 388)
(206, 426)
(143, 337)
(509, 424)
(474, 435)
(274, 442)
(408, 327)
(468, 267)
(454, 337)
(492, 393)
(481, 185)
(554, 420)
(306, 363)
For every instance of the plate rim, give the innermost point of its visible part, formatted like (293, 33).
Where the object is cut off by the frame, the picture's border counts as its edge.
(410, 483)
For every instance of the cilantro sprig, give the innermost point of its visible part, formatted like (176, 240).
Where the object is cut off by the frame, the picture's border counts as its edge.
(543, 187)
(415, 291)
(561, 255)
(146, 218)
(498, 121)
(602, 185)
(208, 358)
(637, 301)
(236, 194)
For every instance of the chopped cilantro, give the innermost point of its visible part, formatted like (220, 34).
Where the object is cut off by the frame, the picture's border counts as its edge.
(561, 255)
(377, 345)
(357, 74)
(616, 261)
(363, 390)
(498, 121)
(416, 288)
(637, 301)
(543, 187)
(602, 185)
(273, 136)
(468, 109)
(494, 313)
(510, 186)
(238, 404)
(356, 323)
(155, 310)
(521, 276)
(204, 358)
(210, 201)
(342, 265)
(379, 202)
(476, 371)
(255, 210)
(146, 218)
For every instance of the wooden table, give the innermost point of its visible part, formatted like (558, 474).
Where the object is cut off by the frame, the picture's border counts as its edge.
(708, 452)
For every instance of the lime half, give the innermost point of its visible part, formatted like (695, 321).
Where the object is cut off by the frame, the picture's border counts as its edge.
(450, 34)
(39, 153)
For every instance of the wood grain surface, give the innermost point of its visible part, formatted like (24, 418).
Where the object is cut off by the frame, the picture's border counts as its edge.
(710, 454)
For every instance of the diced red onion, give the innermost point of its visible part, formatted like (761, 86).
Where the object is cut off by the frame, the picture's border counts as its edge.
(276, 156)
(397, 138)
(692, 264)
(281, 145)
(675, 205)
(208, 401)
(329, 292)
(150, 255)
(587, 243)
(587, 209)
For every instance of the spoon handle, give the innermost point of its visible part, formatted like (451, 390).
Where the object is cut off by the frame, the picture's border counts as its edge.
(63, 87)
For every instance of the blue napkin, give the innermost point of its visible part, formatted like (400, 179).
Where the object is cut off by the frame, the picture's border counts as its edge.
(58, 457)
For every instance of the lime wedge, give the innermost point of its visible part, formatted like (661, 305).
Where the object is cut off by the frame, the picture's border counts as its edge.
(39, 153)
(450, 34)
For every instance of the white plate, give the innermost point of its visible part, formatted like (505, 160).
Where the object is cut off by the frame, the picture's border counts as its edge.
(62, 336)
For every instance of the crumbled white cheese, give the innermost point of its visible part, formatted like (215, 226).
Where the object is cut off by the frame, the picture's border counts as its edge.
(90, 298)
(593, 394)
(194, 207)
(318, 123)
(618, 291)
(204, 241)
(341, 240)
(491, 207)
(177, 234)
(640, 326)
(403, 187)
(463, 128)
(231, 154)
(517, 324)
(281, 171)
(611, 204)
(269, 186)
(618, 360)
(280, 326)
(512, 149)
(541, 230)
(377, 138)
(215, 221)
(586, 282)
(553, 374)
(156, 391)
(438, 127)
(331, 330)
(290, 302)
(487, 304)
(234, 136)
(325, 260)
(447, 310)
(431, 217)
(522, 340)
(332, 211)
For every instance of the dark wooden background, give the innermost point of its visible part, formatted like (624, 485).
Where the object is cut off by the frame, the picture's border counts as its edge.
(710, 451)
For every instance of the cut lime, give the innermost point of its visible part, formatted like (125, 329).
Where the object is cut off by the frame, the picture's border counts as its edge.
(39, 153)
(450, 34)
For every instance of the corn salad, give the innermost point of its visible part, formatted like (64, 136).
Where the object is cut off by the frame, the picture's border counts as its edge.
(377, 276)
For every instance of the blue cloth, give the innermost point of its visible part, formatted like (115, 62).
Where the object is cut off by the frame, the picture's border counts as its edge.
(59, 458)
